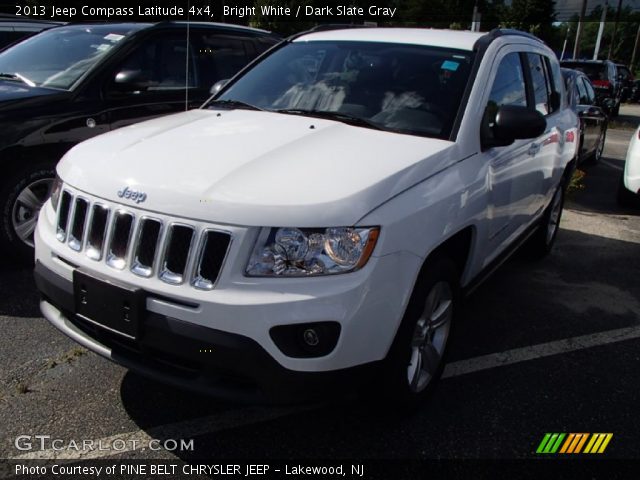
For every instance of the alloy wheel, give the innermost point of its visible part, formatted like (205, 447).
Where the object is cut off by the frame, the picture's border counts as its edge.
(24, 215)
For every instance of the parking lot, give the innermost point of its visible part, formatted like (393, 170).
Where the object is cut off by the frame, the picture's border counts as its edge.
(542, 347)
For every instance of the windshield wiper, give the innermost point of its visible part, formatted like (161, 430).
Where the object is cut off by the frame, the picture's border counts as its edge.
(233, 104)
(17, 76)
(338, 116)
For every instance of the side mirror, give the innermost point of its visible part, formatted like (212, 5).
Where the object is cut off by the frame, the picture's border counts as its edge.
(513, 123)
(130, 81)
(218, 86)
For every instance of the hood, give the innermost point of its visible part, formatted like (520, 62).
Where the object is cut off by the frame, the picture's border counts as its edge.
(253, 168)
(10, 90)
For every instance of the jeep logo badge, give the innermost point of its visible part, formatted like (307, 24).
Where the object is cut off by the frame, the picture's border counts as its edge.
(134, 195)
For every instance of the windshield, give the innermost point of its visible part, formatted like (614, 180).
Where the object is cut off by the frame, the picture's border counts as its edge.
(58, 57)
(403, 88)
(595, 71)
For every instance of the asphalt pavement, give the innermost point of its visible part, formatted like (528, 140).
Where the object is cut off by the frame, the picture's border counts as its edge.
(550, 346)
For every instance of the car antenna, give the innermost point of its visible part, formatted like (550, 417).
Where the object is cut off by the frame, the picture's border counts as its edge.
(186, 80)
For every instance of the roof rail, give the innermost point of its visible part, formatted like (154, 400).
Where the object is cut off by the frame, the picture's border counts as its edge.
(499, 32)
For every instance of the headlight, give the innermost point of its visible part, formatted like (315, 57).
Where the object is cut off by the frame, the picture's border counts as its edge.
(295, 252)
(56, 188)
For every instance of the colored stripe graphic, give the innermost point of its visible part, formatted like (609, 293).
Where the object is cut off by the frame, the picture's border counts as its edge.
(572, 443)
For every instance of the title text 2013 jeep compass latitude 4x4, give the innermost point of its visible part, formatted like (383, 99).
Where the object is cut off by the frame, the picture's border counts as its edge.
(317, 220)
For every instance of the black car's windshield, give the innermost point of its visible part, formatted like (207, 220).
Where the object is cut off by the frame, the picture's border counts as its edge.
(58, 57)
(403, 88)
(595, 71)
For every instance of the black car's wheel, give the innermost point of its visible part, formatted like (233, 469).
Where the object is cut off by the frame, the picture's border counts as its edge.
(417, 357)
(616, 110)
(541, 242)
(597, 153)
(21, 198)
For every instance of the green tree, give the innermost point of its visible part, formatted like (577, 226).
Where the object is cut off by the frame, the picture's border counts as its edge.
(533, 16)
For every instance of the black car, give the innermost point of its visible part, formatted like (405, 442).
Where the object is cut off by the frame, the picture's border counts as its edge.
(71, 83)
(593, 120)
(14, 28)
(604, 78)
(626, 79)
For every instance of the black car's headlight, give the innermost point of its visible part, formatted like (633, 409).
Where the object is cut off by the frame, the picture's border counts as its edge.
(295, 252)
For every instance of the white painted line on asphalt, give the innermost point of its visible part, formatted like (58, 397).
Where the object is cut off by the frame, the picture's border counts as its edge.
(139, 440)
(542, 350)
(609, 164)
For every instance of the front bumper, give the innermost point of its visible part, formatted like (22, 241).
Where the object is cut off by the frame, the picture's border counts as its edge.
(201, 359)
(236, 319)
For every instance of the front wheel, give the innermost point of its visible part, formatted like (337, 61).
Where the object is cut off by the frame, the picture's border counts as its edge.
(21, 198)
(417, 357)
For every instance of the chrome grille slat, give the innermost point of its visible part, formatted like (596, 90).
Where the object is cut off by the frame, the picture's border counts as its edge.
(146, 246)
(121, 229)
(97, 231)
(176, 253)
(212, 252)
(64, 208)
(77, 223)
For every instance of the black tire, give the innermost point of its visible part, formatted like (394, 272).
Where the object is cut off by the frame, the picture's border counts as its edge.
(616, 110)
(597, 153)
(541, 242)
(439, 278)
(38, 177)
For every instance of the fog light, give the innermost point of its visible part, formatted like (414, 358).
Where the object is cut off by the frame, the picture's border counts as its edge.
(310, 337)
(306, 340)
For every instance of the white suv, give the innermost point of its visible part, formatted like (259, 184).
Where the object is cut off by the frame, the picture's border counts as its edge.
(318, 220)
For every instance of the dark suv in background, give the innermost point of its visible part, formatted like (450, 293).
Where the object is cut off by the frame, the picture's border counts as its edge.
(14, 29)
(605, 79)
(627, 80)
(74, 82)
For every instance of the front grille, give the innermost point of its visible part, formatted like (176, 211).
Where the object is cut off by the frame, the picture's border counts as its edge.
(175, 252)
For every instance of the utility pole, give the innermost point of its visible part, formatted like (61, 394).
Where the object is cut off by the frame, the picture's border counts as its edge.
(603, 18)
(635, 50)
(576, 45)
(566, 39)
(475, 19)
(615, 28)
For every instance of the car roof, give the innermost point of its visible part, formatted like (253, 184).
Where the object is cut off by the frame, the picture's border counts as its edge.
(461, 40)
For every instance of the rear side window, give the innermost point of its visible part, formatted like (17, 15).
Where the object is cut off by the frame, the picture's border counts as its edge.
(540, 83)
(508, 87)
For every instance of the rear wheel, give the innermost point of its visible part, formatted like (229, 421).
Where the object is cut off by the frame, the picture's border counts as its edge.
(541, 242)
(21, 199)
(417, 357)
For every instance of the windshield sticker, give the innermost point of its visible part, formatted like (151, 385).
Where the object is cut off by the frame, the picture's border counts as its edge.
(450, 65)
(114, 37)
